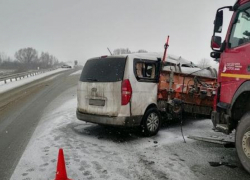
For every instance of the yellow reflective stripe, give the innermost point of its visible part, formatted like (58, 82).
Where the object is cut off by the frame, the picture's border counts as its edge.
(235, 75)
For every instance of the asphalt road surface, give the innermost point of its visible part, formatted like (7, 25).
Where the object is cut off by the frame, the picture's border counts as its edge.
(19, 119)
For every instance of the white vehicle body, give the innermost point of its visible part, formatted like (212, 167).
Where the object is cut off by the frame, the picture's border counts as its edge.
(123, 90)
(101, 102)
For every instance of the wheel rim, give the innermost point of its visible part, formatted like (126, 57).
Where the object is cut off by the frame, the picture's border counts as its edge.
(177, 109)
(152, 122)
(246, 144)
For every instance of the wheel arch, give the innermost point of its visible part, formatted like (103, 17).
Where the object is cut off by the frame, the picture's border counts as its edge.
(240, 103)
(152, 105)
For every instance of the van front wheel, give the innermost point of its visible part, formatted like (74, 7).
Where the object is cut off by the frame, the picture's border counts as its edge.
(151, 122)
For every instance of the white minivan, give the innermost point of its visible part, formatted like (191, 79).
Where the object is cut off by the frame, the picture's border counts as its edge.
(121, 91)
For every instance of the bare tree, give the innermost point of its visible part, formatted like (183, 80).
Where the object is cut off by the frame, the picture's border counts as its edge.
(3, 57)
(51, 60)
(26, 55)
(203, 63)
(127, 51)
(6, 62)
(27, 58)
(47, 60)
(121, 51)
(44, 59)
(142, 51)
(56, 61)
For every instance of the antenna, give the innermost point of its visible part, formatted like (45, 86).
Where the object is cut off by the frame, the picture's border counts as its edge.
(109, 51)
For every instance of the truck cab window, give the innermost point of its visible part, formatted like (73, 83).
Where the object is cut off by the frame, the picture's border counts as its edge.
(241, 29)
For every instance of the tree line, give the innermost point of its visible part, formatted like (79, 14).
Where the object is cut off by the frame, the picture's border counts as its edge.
(120, 51)
(28, 58)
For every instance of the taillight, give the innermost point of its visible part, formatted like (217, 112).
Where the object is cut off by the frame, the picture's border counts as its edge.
(126, 92)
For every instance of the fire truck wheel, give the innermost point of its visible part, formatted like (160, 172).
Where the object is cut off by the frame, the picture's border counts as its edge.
(151, 122)
(243, 141)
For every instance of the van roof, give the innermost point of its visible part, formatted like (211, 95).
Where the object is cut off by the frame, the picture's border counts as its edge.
(154, 56)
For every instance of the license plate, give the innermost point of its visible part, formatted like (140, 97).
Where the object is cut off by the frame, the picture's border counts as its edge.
(97, 102)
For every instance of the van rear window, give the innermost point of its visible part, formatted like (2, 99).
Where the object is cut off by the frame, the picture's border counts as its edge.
(104, 70)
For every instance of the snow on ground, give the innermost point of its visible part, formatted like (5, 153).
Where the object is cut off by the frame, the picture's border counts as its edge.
(96, 152)
(52, 77)
(76, 73)
(14, 84)
(90, 155)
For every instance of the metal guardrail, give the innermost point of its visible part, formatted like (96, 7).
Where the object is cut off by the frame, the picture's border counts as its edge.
(24, 74)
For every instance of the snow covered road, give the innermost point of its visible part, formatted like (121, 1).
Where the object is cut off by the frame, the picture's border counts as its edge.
(19, 118)
(97, 152)
(20, 82)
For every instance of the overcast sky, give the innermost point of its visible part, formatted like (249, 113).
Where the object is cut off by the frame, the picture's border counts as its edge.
(81, 29)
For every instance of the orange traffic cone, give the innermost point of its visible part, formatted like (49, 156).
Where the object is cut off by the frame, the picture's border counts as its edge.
(61, 173)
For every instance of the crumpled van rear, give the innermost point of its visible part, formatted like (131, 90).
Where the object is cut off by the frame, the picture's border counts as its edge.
(102, 92)
(121, 91)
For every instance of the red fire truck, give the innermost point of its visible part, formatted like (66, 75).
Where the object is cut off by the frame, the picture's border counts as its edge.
(231, 108)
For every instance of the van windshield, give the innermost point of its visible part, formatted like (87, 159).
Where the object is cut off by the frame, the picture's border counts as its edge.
(104, 70)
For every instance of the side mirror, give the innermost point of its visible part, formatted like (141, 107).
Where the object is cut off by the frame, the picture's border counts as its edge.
(218, 22)
(216, 42)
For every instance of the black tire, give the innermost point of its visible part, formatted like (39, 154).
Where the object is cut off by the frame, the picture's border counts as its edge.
(151, 122)
(242, 141)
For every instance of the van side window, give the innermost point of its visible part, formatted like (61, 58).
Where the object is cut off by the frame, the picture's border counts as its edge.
(145, 70)
(240, 32)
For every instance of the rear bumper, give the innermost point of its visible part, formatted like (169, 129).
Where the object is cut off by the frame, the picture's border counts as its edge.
(130, 121)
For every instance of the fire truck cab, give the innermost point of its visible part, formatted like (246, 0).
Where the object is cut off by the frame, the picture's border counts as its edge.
(232, 102)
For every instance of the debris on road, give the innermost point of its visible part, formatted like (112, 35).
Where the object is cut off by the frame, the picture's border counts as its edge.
(217, 164)
(212, 140)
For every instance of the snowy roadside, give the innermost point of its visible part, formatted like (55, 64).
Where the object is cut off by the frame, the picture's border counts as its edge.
(76, 73)
(96, 152)
(21, 82)
(93, 152)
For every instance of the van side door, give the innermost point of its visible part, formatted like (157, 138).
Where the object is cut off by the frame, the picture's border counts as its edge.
(146, 73)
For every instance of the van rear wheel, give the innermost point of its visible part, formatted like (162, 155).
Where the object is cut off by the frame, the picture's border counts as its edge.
(242, 141)
(151, 122)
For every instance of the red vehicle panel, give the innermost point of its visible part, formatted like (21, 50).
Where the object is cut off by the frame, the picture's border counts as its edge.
(234, 70)
(242, 1)
(232, 102)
